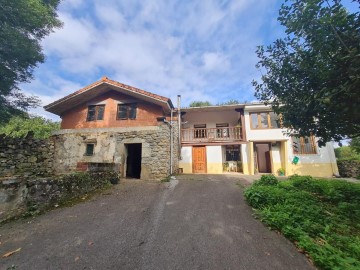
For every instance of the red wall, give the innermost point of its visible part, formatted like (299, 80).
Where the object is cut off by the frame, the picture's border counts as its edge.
(146, 113)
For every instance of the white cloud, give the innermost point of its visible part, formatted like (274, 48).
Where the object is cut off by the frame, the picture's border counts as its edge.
(215, 61)
(203, 50)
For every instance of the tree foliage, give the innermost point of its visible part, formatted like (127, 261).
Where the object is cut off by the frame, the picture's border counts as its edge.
(230, 102)
(19, 126)
(312, 76)
(355, 144)
(200, 104)
(23, 24)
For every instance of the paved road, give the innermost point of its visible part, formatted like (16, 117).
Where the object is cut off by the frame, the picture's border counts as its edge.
(195, 222)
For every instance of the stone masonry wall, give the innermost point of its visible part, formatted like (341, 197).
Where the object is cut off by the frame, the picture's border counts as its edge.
(26, 156)
(31, 195)
(110, 147)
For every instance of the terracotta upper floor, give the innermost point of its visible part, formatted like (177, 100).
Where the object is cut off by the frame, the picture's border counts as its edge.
(107, 103)
(112, 109)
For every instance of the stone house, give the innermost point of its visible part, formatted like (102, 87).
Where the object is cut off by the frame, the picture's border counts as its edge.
(112, 125)
(119, 127)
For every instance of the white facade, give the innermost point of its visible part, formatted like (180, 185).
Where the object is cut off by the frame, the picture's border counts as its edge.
(267, 149)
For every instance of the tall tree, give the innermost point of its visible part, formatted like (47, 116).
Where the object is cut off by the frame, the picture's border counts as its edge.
(312, 76)
(23, 24)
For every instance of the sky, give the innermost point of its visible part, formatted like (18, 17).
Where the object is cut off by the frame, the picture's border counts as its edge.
(202, 50)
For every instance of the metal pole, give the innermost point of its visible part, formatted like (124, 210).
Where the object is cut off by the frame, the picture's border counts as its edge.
(179, 125)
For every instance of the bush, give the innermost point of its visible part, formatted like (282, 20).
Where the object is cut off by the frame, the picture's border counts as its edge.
(321, 216)
(267, 180)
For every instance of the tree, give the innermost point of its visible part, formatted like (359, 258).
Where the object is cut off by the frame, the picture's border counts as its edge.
(355, 144)
(23, 24)
(312, 76)
(230, 102)
(20, 126)
(200, 104)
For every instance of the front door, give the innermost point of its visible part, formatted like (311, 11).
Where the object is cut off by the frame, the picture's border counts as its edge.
(263, 157)
(199, 159)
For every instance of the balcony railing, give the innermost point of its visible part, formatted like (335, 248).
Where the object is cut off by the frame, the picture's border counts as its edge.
(224, 134)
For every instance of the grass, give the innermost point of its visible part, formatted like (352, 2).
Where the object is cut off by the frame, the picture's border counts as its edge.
(322, 217)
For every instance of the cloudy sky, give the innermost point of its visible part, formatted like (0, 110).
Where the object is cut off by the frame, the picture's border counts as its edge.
(203, 50)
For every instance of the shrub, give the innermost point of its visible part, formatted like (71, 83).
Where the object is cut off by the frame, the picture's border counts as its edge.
(267, 180)
(321, 216)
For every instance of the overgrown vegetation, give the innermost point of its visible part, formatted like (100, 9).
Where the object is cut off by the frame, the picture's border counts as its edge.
(19, 126)
(322, 217)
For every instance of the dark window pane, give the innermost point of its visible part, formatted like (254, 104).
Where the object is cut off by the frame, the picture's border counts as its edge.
(132, 111)
(91, 113)
(89, 150)
(254, 120)
(122, 111)
(100, 112)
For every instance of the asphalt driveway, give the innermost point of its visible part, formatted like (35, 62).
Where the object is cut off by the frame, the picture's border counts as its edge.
(195, 222)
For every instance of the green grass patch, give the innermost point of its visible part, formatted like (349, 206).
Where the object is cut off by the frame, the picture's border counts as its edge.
(322, 217)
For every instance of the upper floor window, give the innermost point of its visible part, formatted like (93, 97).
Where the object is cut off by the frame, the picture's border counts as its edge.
(126, 111)
(264, 120)
(95, 112)
(200, 131)
(304, 145)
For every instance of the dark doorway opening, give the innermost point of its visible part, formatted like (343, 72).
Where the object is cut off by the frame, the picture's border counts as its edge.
(133, 160)
(262, 153)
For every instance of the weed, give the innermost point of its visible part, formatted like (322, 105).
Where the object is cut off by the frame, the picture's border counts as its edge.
(321, 216)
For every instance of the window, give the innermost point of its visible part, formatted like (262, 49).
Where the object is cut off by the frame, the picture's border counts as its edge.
(126, 111)
(264, 120)
(95, 112)
(232, 153)
(200, 131)
(304, 145)
(89, 149)
(222, 130)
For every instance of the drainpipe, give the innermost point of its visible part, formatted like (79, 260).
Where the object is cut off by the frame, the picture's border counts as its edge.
(171, 142)
(179, 125)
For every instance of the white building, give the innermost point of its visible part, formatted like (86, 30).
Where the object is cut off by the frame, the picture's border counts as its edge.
(247, 138)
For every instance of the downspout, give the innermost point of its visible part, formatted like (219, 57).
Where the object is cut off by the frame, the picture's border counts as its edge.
(179, 125)
(171, 142)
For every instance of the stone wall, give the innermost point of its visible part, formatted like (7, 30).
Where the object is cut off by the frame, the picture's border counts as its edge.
(110, 146)
(25, 156)
(349, 168)
(24, 195)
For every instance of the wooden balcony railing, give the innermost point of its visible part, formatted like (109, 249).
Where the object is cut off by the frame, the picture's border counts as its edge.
(223, 134)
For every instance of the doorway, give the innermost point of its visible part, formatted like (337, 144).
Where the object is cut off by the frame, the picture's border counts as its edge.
(133, 160)
(199, 159)
(262, 157)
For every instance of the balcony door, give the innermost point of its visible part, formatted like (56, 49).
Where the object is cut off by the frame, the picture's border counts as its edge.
(199, 159)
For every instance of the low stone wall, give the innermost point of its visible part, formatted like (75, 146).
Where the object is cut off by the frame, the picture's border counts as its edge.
(24, 157)
(21, 195)
(349, 168)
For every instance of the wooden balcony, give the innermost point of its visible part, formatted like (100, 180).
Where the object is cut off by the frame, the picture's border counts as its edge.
(212, 135)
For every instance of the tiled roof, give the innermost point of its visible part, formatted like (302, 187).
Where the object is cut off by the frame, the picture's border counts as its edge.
(115, 83)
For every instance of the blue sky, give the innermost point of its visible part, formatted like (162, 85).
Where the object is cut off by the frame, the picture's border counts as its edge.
(203, 50)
